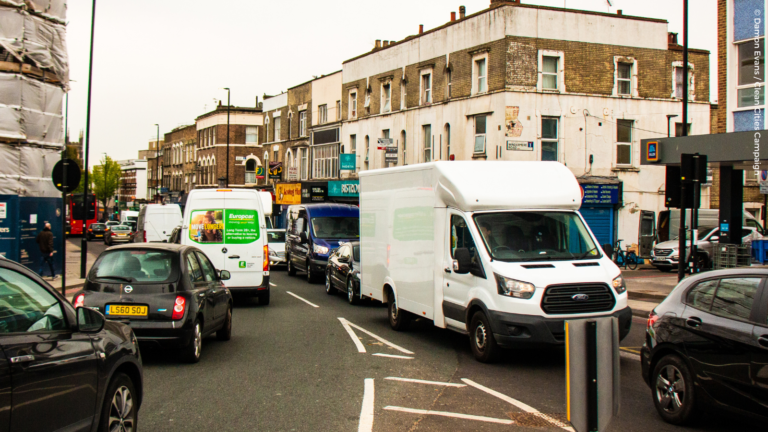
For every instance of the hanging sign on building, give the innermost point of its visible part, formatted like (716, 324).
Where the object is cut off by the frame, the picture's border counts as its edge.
(288, 193)
(275, 170)
(391, 154)
(383, 143)
(348, 161)
(293, 173)
(259, 172)
(519, 145)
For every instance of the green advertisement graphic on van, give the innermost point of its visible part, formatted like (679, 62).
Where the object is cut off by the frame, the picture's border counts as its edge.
(233, 226)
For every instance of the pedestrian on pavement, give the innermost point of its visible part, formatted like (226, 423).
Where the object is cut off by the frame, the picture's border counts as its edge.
(45, 243)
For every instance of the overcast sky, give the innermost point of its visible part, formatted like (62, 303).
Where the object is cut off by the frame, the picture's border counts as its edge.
(165, 61)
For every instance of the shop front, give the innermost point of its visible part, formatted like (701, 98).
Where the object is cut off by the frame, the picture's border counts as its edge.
(599, 207)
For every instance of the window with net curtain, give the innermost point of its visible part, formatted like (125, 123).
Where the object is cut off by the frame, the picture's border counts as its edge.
(623, 142)
(480, 133)
(250, 171)
(549, 73)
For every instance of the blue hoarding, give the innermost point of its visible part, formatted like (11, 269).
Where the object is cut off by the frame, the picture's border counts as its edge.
(21, 220)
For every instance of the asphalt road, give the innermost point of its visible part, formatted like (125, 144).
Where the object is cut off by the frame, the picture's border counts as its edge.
(291, 366)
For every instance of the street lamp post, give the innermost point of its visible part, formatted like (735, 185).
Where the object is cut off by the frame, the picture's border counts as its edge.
(87, 147)
(228, 92)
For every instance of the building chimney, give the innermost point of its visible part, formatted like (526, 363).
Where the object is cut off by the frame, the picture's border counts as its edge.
(462, 12)
(257, 101)
(421, 28)
(672, 38)
(619, 12)
(453, 16)
(386, 43)
(378, 44)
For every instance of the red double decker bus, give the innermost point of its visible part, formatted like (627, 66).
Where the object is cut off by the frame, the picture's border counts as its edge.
(79, 211)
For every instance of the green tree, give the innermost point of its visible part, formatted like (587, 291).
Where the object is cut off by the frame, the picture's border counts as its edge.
(105, 179)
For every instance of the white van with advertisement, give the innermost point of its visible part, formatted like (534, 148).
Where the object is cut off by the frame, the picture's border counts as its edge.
(496, 250)
(156, 222)
(229, 225)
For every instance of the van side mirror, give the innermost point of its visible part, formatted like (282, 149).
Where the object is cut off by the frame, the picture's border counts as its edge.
(89, 320)
(225, 275)
(303, 237)
(463, 262)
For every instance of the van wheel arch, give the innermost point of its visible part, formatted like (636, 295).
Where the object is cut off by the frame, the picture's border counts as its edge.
(476, 306)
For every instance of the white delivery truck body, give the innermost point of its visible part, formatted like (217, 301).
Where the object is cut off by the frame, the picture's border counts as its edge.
(129, 216)
(229, 226)
(157, 221)
(494, 249)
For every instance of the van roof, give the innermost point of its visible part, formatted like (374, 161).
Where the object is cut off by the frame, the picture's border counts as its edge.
(331, 210)
(216, 193)
(495, 185)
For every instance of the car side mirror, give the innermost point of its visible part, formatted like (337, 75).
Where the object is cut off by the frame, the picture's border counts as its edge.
(89, 320)
(714, 238)
(463, 262)
(344, 259)
(225, 275)
(303, 237)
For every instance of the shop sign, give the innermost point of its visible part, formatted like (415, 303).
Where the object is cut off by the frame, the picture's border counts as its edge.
(275, 170)
(293, 173)
(313, 193)
(348, 161)
(600, 193)
(344, 188)
(288, 193)
(383, 143)
(259, 172)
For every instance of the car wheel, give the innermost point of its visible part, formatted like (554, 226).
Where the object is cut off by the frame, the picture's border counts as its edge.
(119, 411)
(328, 286)
(191, 353)
(289, 266)
(398, 319)
(225, 333)
(264, 299)
(672, 387)
(483, 343)
(351, 296)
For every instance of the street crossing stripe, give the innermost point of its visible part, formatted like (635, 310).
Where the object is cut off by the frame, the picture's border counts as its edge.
(449, 414)
(517, 403)
(358, 344)
(425, 382)
(305, 301)
(393, 356)
(366, 412)
(380, 339)
(271, 284)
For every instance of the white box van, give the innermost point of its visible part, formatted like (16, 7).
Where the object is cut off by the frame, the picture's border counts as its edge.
(129, 216)
(229, 226)
(496, 250)
(156, 222)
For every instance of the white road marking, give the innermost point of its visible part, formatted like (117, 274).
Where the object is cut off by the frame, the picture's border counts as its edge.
(393, 356)
(629, 356)
(305, 301)
(360, 347)
(366, 413)
(271, 284)
(425, 382)
(380, 339)
(449, 414)
(517, 403)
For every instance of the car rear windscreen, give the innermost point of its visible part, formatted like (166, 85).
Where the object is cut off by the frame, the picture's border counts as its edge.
(136, 265)
(97, 226)
(276, 237)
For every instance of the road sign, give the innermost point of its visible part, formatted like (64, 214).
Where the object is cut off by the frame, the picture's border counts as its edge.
(73, 175)
(391, 154)
(519, 145)
(384, 143)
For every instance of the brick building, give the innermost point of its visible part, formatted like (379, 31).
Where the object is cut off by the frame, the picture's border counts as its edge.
(275, 110)
(246, 135)
(531, 86)
(741, 88)
(178, 161)
(154, 157)
(133, 182)
(295, 130)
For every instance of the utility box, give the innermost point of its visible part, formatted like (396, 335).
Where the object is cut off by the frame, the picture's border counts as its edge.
(592, 373)
(21, 220)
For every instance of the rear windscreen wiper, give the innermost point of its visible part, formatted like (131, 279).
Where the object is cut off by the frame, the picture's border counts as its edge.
(123, 278)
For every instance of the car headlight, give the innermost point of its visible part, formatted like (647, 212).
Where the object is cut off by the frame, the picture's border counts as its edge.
(619, 284)
(514, 288)
(320, 250)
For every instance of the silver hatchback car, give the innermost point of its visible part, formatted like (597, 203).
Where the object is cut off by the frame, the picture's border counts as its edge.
(665, 256)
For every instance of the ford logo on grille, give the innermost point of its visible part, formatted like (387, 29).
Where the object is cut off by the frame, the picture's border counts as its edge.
(580, 297)
(128, 289)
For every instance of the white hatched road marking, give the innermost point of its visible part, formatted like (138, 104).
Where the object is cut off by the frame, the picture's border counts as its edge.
(366, 412)
(271, 284)
(305, 301)
(393, 356)
(449, 414)
(517, 403)
(425, 382)
(358, 344)
(380, 339)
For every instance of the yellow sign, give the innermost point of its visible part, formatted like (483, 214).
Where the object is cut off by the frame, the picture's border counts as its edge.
(288, 194)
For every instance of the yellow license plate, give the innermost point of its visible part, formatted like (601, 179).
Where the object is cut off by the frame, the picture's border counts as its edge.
(127, 310)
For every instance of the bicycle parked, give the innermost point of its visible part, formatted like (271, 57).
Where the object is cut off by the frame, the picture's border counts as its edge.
(627, 259)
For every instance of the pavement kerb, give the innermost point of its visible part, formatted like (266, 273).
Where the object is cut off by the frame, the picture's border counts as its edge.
(645, 296)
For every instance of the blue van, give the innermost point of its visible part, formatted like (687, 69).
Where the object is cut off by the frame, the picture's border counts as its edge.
(313, 231)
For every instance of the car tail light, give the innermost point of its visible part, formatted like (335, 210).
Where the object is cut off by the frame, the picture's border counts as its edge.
(114, 233)
(652, 318)
(178, 308)
(266, 258)
(90, 230)
(79, 301)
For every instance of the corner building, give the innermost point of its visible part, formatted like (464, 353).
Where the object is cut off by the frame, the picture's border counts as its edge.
(532, 83)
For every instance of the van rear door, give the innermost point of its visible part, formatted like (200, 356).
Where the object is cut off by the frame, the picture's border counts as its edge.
(204, 225)
(244, 239)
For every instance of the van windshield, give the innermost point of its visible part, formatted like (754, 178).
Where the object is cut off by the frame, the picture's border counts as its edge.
(336, 227)
(536, 236)
(136, 265)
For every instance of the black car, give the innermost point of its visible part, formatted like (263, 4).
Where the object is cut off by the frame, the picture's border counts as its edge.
(171, 295)
(343, 271)
(62, 368)
(707, 344)
(95, 230)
